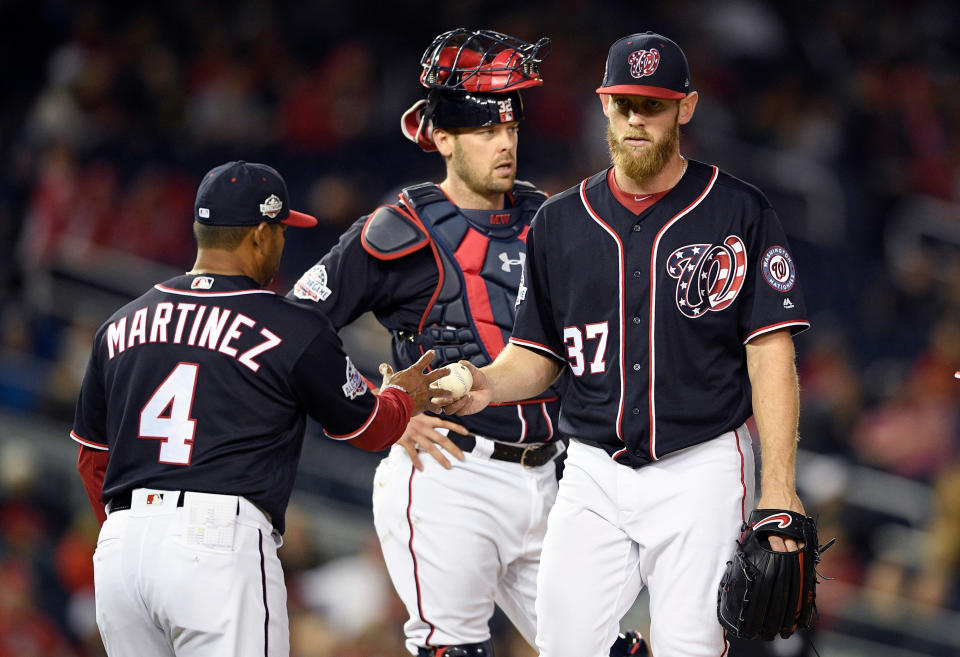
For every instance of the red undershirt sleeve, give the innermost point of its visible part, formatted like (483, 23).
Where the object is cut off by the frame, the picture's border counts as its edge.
(391, 420)
(92, 465)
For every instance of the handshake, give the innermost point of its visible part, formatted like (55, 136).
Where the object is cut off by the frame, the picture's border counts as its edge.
(447, 389)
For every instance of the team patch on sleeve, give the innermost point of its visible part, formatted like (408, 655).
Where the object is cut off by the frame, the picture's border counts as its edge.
(355, 385)
(313, 284)
(778, 269)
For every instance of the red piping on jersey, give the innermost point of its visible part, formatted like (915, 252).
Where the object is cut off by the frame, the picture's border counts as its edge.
(436, 257)
(546, 416)
(622, 301)
(523, 425)
(413, 555)
(774, 327)
(370, 418)
(88, 443)
(191, 293)
(726, 644)
(391, 256)
(653, 315)
(536, 345)
(470, 255)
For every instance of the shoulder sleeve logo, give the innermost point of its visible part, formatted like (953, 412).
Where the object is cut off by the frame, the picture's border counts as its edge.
(313, 284)
(355, 384)
(778, 269)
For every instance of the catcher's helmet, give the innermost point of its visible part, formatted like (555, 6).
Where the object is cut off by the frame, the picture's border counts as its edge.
(474, 77)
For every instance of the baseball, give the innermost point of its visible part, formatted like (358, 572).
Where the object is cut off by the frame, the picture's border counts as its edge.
(458, 382)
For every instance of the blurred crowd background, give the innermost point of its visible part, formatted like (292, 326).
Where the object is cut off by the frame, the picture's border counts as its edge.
(847, 114)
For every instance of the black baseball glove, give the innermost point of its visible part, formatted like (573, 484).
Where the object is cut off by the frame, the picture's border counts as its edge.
(764, 593)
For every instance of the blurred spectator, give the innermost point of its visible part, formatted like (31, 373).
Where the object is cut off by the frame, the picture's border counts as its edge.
(24, 630)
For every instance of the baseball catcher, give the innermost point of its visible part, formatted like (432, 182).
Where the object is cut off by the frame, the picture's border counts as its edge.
(763, 592)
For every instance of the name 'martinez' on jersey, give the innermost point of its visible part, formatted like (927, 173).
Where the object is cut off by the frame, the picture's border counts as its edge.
(210, 327)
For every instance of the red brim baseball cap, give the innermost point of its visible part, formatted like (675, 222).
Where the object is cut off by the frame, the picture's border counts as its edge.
(300, 220)
(244, 194)
(646, 64)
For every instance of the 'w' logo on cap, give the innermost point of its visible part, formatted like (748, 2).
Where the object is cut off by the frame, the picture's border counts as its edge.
(644, 62)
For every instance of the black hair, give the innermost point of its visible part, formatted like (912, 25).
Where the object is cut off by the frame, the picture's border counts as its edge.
(227, 238)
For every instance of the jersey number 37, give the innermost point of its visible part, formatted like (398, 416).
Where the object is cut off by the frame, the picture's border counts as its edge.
(574, 338)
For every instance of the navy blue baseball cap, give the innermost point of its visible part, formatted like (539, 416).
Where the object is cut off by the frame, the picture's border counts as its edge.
(646, 64)
(244, 194)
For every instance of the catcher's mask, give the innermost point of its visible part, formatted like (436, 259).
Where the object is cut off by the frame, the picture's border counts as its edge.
(474, 78)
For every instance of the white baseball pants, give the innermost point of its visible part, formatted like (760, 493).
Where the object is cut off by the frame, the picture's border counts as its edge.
(670, 526)
(161, 592)
(457, 541)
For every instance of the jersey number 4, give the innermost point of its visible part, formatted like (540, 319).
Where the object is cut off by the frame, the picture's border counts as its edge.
(573, 338)
(167, 415)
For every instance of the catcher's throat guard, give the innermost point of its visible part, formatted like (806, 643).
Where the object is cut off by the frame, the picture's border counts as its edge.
(765, 593)
(474, 77)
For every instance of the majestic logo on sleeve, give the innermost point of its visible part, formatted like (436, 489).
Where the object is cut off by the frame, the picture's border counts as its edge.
(313, 284)
(355, 385)
(778, 269)
(709, 277)
(644, 62)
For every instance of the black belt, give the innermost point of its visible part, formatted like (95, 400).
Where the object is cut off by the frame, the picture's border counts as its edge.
(529, 456)
(122, 501)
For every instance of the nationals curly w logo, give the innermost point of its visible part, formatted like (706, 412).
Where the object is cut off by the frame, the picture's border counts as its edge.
(709, 277)
(644, 62)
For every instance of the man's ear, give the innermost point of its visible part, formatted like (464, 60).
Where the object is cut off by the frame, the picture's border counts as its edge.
(604, 102)
(687, 107)
(443, 140)
(260, 235)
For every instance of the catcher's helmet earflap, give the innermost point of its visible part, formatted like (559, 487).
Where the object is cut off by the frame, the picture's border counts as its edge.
(474, 77)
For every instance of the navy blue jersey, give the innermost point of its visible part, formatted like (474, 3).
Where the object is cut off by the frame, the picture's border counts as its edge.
(440, 278)
(652, 324)
(204, 384)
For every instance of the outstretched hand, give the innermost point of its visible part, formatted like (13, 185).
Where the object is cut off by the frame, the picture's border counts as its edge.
(422, 435)
(417, 384)
(477, 399)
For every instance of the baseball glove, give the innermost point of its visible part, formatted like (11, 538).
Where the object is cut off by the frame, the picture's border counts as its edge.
(764, 593)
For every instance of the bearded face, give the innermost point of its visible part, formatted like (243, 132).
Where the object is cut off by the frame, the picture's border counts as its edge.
(642, 163)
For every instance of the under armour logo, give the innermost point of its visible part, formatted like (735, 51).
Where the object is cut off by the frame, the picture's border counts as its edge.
(509, 262)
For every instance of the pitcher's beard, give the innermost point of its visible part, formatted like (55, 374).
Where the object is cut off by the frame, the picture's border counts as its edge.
(647, 163)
